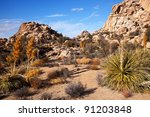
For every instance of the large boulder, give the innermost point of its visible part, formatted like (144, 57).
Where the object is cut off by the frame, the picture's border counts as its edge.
(145, 4)
(41, 32)
(129, 17)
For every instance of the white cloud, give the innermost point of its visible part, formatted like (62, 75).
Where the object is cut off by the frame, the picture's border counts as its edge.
(77, 9)
(67, 28)
(92, 15)
(73, 29)
(9, 26)
(56, 15)
(96, 7)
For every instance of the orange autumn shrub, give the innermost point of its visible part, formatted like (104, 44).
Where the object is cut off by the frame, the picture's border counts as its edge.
(95, 61)
(32, 73)
(57, 81)
(35, 83)
(30, 47)
(31, 51)
(37, 63)
(93, 67)
(145, 40)
(17, 48)
(15, 54)
(83, 60)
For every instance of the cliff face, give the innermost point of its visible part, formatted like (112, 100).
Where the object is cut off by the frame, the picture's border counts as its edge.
(145, 4)
(131, 17)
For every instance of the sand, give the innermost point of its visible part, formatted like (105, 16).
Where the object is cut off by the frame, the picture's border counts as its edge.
(88, 78)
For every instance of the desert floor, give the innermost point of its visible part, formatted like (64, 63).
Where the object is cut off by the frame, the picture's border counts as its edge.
(87, 77)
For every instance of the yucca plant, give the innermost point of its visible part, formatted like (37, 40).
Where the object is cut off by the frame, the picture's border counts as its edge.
(126, 72)
(31, 51)
(15, 54)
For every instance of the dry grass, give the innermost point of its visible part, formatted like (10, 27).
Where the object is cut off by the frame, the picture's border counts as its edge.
(32, 73)
(146, 91)
(95, 61)
(37, 63)
(93, 67)
(100, 79)
(57, 81)
(145, 40)
(21, 70)
(58, 75)
(83, 60)
(75, 90)
(82, 44)
(35, 83)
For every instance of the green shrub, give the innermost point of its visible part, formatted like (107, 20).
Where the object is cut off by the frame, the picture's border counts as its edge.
(127, 73)
(12, 83)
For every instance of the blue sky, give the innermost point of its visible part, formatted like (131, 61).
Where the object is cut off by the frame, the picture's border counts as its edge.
(69, 17)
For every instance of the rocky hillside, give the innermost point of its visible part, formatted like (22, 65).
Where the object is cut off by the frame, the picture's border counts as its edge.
(41, 32)
(46, 39)
(131, 18)
(145, 4)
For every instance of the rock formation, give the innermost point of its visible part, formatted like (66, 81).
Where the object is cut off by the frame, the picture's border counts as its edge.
(41, 32)
(3, 48)
(130, 18)
(145, 4)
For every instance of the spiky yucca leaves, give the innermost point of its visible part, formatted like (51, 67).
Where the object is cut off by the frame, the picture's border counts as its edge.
(128, 75)
(144, 59)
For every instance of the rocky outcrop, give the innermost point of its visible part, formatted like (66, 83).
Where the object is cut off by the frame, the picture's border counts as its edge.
(46, 39)
(129, 18)
(41, 32)
(145, 4)
(3, 42)
(85, 35)
(3, 49)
